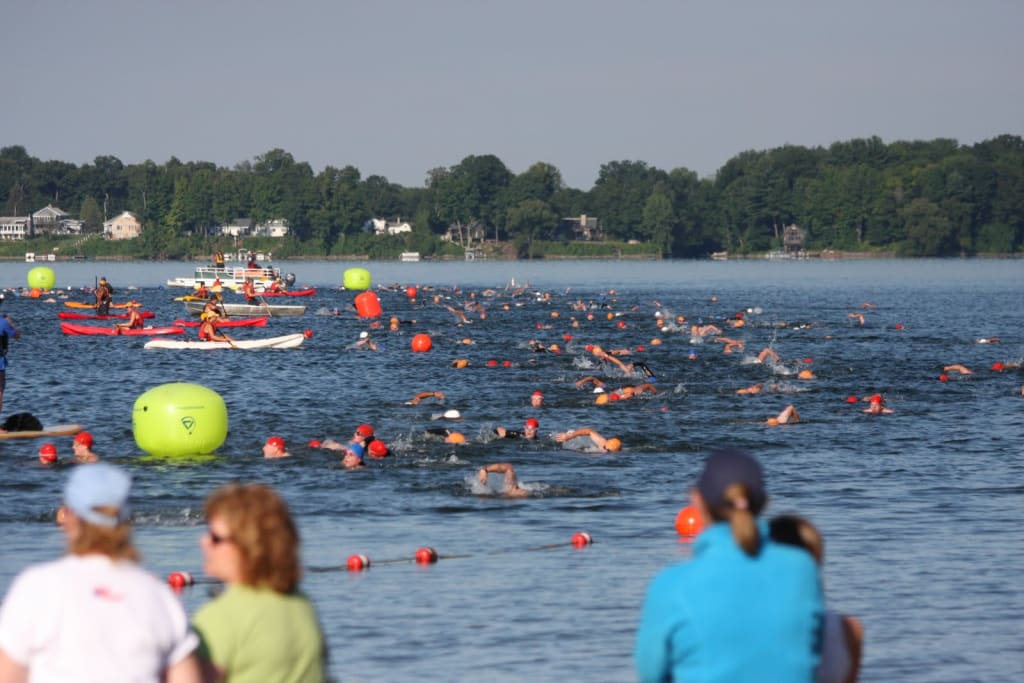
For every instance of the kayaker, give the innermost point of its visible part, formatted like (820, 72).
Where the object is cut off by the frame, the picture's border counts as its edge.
(215, 305)
(135, 321)
(201, 291)
(208, 329)
(249, 292)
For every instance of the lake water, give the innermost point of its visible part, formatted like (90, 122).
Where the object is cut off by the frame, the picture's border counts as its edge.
(920, 509)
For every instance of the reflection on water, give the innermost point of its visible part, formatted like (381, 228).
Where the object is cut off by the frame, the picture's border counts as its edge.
(919, 507)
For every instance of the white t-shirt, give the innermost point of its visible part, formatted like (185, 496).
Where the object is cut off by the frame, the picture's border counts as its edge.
(89, 619)
(835, 656)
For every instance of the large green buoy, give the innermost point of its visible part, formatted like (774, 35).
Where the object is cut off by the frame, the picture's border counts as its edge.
(179, 419)
(41, 277)
(356, 278)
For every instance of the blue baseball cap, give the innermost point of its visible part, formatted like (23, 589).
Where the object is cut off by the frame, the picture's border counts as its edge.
(99, 485)
(730, 466)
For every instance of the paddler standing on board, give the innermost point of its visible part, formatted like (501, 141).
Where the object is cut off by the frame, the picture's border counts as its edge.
(104, 295)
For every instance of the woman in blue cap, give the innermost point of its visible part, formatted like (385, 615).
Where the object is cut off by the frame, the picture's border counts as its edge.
(743, 608)
(95, 614)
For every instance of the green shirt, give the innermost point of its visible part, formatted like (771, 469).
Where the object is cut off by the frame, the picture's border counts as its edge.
(257, 635)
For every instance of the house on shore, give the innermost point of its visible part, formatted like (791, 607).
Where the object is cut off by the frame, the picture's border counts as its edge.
(127, 226)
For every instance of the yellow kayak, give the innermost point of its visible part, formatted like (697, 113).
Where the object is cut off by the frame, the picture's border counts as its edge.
(81, 304)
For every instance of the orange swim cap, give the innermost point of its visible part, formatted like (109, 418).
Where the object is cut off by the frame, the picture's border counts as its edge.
(601, 399)
(455, 437)
(612, 445)
(773, 422)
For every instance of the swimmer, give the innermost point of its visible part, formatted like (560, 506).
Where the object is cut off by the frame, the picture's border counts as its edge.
(704, 330)
(603, 355)
(767, 352)
(752, 389)
(877, 406)
(858, 316)
(536, 399)
(787, 416)
(449, 435)
(275, 448)
(530, 428)
(511, 487)
(611, 445)
(353, 458)
(590, 379)
(989, 340)
(82, 448)
(365, 342)
(805, 374)
(956, 367)
(730, 344)
(459, 315)
(415, 400)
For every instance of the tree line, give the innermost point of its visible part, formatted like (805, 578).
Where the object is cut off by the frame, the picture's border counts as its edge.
(908, 198)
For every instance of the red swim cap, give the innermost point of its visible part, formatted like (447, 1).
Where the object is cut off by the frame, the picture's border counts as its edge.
(537, 393)
(48, 449)
(877, 398)
(276, 442)
(84, 438)
(378, 449)
(314, 443)
(364, 430)
(532, 423)
(997, 366)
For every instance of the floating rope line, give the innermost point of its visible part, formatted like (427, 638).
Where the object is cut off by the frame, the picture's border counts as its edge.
(360, 562)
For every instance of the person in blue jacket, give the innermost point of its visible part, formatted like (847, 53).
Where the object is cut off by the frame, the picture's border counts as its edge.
(743, 608)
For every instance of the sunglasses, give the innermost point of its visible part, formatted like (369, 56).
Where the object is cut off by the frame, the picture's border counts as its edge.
(216, 539)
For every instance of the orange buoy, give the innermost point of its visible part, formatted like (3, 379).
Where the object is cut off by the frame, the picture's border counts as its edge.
(368, 305)
(421, 343)
(178, 580)
(411, 292)
(688, 522)
(426, 555)
(357, 563)
(307, 333)
(581, 539)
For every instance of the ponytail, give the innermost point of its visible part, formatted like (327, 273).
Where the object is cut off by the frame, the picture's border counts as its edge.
(741, 519)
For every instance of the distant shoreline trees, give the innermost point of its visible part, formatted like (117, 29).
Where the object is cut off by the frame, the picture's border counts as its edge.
(918, 198)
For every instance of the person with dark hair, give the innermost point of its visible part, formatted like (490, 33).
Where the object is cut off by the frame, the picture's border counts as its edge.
(7, 330)
(261, 627)
(104, 296)
(743, 608)
(95, 614)
(843, 641)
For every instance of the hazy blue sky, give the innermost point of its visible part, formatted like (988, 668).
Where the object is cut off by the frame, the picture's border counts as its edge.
(398, 87)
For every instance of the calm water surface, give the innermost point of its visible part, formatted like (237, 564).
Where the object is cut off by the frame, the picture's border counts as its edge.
(920, 508)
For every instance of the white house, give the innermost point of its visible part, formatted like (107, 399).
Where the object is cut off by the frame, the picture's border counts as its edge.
(15, 227)
(124, 227)
(239, 227)
(384, 227)
(275, 228)
(48, 219)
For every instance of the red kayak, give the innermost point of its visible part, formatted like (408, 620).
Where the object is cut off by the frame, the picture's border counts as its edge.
(230, 322)
(69, 315)
(75, 328)
(295, 292)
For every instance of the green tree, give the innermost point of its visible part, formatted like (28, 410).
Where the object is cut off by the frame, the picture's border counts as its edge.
(91, 215)
(659, 221)
(527, 221)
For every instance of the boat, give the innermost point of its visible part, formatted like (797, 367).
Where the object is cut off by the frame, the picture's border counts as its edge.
(288, 341)
(409, 257)
(50, 431)
(231, 277)
(227, 322)
(70, 315)
(113, 331)
(309, 291)
(82, 304)
(249, 310)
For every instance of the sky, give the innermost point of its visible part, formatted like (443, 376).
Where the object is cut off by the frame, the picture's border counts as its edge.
(399, 87)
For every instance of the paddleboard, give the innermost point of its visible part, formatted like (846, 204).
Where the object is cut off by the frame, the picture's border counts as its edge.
(288, 341)
(52, 430)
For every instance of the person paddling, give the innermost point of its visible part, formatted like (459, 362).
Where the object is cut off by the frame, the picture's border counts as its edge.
(208, 329)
